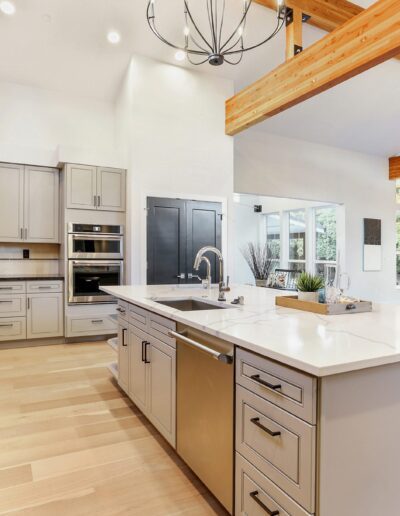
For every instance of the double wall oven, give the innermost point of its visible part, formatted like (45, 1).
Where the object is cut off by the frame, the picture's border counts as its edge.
(95, 259)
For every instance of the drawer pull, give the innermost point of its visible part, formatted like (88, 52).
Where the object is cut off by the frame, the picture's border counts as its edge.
(95, 321)
(6, 288)
(6, 325)
(120, 310)
(254, 495)
(5, 301)
(256, 421)
(256, 378)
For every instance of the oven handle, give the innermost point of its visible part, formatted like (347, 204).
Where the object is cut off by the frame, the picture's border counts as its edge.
(97, 262)
(91, 236)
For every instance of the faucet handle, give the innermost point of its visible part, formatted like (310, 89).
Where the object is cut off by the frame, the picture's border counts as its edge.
(226, 287)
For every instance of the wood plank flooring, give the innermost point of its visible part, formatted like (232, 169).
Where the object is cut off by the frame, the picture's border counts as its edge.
(71, 443)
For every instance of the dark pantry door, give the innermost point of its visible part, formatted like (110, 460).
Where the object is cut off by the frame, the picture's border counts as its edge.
(176, 230)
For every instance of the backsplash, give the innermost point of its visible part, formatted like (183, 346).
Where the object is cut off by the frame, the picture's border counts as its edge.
(43, 258)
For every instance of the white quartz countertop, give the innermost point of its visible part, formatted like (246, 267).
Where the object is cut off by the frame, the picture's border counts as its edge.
(317, 344)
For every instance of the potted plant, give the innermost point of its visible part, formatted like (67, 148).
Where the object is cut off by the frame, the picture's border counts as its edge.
(308, 286)
(259, 259)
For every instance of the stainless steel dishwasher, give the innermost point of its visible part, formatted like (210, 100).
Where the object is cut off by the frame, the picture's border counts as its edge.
(205, 412)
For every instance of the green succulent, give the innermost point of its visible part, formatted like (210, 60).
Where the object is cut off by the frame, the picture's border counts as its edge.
(309, 283)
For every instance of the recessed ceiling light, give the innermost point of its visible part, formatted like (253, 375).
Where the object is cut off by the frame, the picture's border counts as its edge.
(7, 7)
(114, 37)
(180, 55)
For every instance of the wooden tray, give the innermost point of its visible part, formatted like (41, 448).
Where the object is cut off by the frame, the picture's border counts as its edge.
(323, 308)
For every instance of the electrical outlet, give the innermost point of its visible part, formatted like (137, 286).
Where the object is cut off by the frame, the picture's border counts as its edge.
(25, 253)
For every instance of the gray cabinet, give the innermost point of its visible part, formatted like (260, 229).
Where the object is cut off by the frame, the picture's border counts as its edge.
(41, 204)
(138, 367)
(29, 207)
(12, 202)
(123, 356)
(95, 188)
(44, 316)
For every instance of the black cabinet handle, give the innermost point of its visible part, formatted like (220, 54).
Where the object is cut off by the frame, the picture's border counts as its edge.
(254, 495)
(145, 343)
(123, 337)
(256, 421)
(256, 378)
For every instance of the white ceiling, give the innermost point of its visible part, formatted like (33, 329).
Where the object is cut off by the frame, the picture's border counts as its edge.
(61, 45)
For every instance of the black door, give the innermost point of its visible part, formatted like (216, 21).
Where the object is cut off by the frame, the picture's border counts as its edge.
(176, 230)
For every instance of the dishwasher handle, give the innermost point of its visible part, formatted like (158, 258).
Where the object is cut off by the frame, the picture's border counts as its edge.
(222, 357)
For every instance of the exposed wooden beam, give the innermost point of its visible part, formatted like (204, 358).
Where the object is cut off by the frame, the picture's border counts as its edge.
(394, 167)
(361, 43)
(294, 33)
(324, 14)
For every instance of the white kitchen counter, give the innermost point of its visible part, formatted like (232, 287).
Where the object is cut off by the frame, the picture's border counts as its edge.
(317, 344)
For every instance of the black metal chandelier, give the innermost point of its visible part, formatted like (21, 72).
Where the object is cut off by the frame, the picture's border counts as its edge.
(211, 45)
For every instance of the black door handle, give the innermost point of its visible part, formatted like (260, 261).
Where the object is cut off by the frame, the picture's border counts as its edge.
(254, 495)
(256, 421)
(256, 378)
(123, 337)
(145, 343)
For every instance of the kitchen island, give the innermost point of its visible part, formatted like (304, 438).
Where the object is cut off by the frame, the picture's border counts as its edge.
(330, 390)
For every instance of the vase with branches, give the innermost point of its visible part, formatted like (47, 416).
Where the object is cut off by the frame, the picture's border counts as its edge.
(259, 259)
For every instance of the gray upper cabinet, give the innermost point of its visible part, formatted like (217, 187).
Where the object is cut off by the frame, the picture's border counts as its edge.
(110, 189)
(95, 188)
(81, 187)
(41, 204)
(29, 206)
(12, 202)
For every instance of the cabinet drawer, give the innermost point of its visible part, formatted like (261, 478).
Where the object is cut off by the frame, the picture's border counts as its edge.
(159, 328)
(12, 328)
(280, 445)
(292, 390)
(13, 305)
(17, 287)
(256, 494)
(138, 317)
(35, 287)
(93, 325)
(122, 310)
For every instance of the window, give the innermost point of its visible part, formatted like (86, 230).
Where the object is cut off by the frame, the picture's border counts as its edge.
(325, 238)
(297, 240)
(273, 221)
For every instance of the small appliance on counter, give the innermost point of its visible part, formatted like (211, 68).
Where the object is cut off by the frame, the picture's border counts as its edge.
(95, 259)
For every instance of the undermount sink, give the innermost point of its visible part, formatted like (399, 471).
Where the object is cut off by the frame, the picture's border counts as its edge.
(190, 305)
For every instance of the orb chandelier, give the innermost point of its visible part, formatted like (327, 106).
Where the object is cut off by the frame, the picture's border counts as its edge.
(216, 44)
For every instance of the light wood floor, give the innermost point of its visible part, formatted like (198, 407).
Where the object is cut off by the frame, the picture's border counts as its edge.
(72, 444)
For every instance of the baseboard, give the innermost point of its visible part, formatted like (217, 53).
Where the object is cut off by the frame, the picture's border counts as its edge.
(93, 338)
(31, 343)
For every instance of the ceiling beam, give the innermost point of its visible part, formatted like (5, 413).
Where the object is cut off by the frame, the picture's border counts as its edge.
(324, 14)
(394, 167)
(366, 40)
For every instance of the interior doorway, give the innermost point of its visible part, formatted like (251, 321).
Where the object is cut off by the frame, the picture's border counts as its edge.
(176, 230)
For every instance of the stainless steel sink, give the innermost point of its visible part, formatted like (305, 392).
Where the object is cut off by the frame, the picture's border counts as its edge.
(190, 305)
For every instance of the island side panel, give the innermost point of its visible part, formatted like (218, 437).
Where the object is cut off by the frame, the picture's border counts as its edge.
(359, 443)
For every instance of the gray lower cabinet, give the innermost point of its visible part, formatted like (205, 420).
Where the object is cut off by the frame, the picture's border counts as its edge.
(147, 366)
(31, 310)
(276, 436)
(44, 315)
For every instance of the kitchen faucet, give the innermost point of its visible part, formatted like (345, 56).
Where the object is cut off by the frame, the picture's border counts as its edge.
(199, 258)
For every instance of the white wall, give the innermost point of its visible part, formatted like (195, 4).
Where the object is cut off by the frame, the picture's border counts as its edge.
(35, 122)
(170, 129)
(268, 164)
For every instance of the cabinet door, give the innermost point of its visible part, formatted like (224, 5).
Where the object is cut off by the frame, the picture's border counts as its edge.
(81, 187)
(137, 368)
(44, 316)
(111, 189)
(41, 205)
(11, 202)
(123, 357)
(161, 402)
